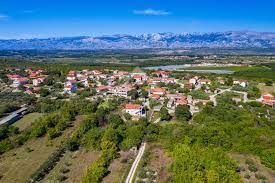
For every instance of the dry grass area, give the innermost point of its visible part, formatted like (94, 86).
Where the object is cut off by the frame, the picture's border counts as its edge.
(266, 89)
(252, 171)
(27, 120)
(72, 167)
(154, 165)
(17, 165)
(160, 161)
(119, 168)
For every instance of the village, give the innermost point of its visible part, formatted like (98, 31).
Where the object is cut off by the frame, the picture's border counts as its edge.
(50, 113)
(145, 93)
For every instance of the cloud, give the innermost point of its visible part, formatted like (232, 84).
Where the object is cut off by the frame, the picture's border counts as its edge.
(28, 11)
(3, 16)
(150, 11)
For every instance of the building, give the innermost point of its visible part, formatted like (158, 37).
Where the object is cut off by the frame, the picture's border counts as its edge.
(13, 117)
(157, 91)
(242, 83)
(120, 91)
(161, 74)
(268, 99)
(135, 110)
(19, 82)
(71, 75)
(70, 86)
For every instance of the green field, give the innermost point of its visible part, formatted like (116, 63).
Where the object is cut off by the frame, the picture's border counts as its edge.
(27, 120)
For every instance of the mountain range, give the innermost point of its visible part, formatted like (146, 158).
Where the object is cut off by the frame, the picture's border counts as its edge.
(232, 39)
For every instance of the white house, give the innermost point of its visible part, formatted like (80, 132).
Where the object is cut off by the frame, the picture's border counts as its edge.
(135, 110)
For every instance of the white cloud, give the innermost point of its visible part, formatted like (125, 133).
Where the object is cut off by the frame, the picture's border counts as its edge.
(28, 11)
(150, 11)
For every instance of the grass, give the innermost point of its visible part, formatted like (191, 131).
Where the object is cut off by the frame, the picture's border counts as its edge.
(120, 168)
(18, 164)
(72, 166)
(27, 120)
(266, 89)
(251, 168)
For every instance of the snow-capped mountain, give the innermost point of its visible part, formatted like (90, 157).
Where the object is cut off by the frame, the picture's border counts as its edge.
(244, 39)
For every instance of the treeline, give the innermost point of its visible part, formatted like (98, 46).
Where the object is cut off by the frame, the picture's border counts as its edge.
(200, 151)
(59, 117)
(260, 73)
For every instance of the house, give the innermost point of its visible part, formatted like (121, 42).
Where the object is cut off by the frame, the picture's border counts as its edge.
(38, 81)
(13, 76)
(205, 82)
(242, 83)
(70, 86)
(121, 91)
(135, 110)
(161, 74)
(139, 78)
(71, 75)
(175, 100)
(20, 81)
(268, 99)
(157, 91)
(102, 89)
(155, 96)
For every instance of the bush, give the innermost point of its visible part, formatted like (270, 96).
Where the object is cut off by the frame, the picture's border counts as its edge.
(47, 166)
(64, 170)
(260, 176)
(252, 168)
(247, 176)
(61, 178)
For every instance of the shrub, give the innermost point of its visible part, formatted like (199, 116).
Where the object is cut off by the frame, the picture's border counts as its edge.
(252, 168)
(260, 176)
(247, 176)
(61, 178)
(48, 165)
(64, 170)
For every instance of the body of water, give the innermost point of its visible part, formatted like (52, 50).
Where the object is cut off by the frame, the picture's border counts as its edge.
(183, 68)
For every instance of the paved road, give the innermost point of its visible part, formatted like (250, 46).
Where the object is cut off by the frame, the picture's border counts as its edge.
(131, 174)
(213, 97)
(245, 98)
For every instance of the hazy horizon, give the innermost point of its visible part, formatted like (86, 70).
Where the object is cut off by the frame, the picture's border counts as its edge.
(37, 19)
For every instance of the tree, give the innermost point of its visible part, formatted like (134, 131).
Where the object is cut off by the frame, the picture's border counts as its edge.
(229, 81)
(44, 92)
(269, 83)
(182, 113)
(144, 93)
(164, 115)
(133, 94)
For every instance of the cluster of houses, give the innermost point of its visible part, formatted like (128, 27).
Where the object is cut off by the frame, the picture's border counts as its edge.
(121, 83)
(31, 81)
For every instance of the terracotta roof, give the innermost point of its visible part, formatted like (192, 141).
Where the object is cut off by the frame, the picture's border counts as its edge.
(133, 106)
(181, 102)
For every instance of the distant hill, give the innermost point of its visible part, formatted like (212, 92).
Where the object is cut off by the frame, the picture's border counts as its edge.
(244, 39)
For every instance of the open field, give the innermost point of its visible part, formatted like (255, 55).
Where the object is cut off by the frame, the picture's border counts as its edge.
(119, 168)
(17, 165)
(154, 165)
(266, 89)
(253, 175)
(27, 120)
(72, 166)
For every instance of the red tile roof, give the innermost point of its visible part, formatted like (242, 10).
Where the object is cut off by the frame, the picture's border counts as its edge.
(133, 106)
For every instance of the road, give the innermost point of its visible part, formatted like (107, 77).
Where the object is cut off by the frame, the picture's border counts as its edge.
(132, 172)
(245, 98)
(213, 97)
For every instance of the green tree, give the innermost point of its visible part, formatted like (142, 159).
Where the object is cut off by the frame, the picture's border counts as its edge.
(164, 115)
(182, 113)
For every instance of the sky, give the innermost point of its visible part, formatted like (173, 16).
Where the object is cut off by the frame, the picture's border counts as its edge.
(58, 18)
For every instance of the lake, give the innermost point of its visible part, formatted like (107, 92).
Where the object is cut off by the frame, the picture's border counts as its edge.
(183, 67)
